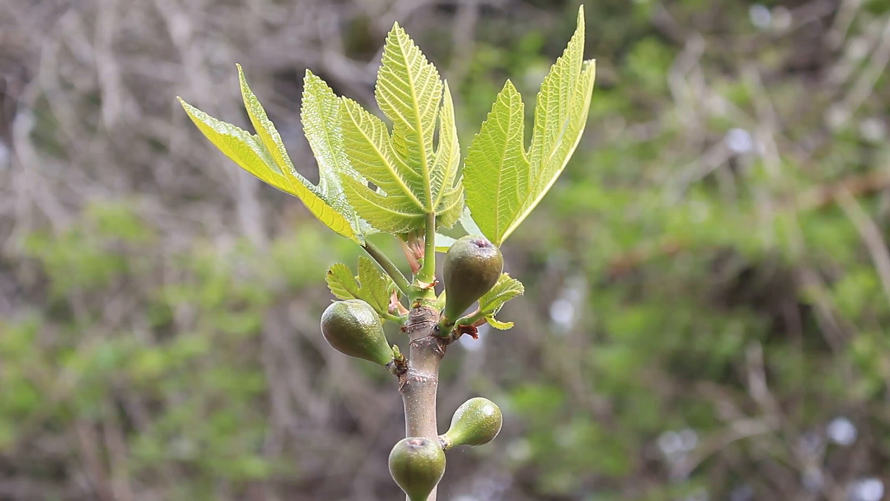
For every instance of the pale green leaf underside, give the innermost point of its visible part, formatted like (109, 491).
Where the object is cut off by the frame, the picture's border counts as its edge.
(264, 156)
(467, 222)
(250, 154)
(443, 242)
(497, 324)
(409, 92)
(370, 285)
(320, 116)
(412, 177)
(329, 193)
(504, 182)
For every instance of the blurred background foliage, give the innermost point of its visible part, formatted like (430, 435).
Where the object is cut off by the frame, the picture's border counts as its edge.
(708, 284)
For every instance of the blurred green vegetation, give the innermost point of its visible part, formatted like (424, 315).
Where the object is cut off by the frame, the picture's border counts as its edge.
(708, 289)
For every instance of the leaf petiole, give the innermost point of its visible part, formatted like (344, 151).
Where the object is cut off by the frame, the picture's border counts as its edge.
(397, 277)
(394, 318)
(427, 273)
(473, 318)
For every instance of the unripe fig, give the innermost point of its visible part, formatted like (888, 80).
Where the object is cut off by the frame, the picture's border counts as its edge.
(476, 422)
(353, 327)
(417, 465)
(472, 267)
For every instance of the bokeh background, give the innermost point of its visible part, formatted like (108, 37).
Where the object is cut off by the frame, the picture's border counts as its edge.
(708, 284)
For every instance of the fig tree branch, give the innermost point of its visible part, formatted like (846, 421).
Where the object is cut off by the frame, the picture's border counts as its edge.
(419, 384)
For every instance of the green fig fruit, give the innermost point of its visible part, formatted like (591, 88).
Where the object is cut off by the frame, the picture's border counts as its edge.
(353, 327)
(417, 465)
(472, 267)
(476, 422)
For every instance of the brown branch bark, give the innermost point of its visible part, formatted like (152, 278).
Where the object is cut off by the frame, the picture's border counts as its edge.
(418, 386)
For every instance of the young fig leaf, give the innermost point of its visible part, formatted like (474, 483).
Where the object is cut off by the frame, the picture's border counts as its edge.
(370, 285)
(504, 183)
(409, 93)
(413, 175)
(497, 167)
(320, 116)
(264, 156)
(394, 207)
(491, 302)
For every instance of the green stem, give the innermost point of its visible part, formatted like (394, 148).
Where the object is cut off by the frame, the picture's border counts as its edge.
(388, 266)
(394, 318)
(446, 326)
(428, 271)
(470, 319)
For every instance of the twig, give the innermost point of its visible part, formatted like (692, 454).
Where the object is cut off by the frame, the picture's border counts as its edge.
(871, 235)
(864, 86)
(842, 22)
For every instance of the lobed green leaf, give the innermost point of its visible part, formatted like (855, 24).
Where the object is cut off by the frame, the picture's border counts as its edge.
(409, 93)
(505, 183)
(320, 116)
(371, 285)
(412, 176)
(377, 286)
(496, 168)
(341, 282)
(492, 301)
(264, 156)
(393, 206)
